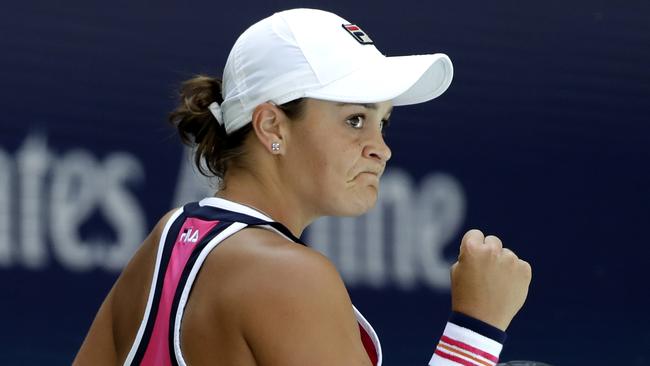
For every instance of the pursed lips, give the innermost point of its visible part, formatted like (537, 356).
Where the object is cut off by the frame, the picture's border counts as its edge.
(376, 172)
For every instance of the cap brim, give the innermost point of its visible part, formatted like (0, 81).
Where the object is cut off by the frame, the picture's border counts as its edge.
(401, 79)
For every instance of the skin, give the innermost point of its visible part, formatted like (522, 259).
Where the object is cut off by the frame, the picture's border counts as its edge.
(329, 163)
(262, 300)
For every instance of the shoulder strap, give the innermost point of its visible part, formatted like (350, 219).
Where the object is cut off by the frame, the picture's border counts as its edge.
(216, 213)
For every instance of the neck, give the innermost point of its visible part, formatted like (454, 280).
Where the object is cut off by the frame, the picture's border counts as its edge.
(267, 196)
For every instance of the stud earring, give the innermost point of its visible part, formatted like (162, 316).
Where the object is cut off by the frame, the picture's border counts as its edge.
(275, 147)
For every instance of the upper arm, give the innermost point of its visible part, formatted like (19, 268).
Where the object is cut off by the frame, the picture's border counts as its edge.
(98, 347)
(299, 313)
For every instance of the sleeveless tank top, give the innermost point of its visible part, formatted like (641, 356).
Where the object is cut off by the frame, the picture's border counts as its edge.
(188, 237)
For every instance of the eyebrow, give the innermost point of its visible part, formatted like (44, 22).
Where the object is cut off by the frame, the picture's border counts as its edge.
(365, 105)
(372, 106)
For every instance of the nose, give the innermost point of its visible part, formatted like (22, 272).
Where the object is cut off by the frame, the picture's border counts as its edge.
(377, 149)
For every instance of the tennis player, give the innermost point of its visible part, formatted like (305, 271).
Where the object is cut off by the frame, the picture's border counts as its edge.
(294, 133)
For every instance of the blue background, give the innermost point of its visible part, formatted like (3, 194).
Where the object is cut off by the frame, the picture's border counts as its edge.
(545, 128)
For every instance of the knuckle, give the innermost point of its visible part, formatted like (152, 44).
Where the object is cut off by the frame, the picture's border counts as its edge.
(509, 254)
(494, 244)
(483, 251)
(494, 240)
(526, 268)
(473, 236)
(494, 251)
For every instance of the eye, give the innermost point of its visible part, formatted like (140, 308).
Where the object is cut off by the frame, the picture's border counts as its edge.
(356, 121)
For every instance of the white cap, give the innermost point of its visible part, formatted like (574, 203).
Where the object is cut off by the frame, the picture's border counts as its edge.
(313, 53)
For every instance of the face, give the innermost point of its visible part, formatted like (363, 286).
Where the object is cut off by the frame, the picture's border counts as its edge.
(335, 156)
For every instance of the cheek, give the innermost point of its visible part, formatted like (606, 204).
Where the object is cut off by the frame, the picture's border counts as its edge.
(313, 168)
(331, 158)
(342, 162)
(325, 161)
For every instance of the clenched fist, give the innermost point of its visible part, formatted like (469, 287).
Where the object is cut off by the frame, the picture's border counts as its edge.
(488, 282)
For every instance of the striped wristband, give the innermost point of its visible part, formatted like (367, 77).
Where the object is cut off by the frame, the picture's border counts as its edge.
(468, 342)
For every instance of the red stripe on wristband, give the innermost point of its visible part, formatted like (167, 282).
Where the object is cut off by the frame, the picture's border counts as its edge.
(469, 348)
(471, 356)
(454, 358)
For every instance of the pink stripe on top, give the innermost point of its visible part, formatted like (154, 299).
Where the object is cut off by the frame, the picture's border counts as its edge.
(191, 233)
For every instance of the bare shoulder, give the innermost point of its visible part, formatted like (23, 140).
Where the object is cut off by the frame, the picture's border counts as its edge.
(285, 294)
(142, 263)
(267, 263)
(284, 268)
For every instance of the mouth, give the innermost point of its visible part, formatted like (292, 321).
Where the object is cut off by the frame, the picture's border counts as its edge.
(371, 173)
(367, 175)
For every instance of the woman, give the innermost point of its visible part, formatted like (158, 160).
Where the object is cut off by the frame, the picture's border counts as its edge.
(294, 133)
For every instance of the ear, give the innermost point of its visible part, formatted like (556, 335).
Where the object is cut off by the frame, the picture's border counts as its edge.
(269, 124)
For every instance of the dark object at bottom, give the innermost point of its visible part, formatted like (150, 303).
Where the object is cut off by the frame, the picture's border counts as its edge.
(523, 363)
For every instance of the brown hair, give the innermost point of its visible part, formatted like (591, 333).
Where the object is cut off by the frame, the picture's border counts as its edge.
(198, 128)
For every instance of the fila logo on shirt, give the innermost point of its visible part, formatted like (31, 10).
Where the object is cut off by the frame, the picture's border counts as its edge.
(189, 236)
(357, 33)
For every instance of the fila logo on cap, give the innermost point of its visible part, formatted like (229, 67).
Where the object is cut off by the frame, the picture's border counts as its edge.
(357, 33)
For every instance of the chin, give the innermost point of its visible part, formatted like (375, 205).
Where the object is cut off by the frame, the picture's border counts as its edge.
(358, 205)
